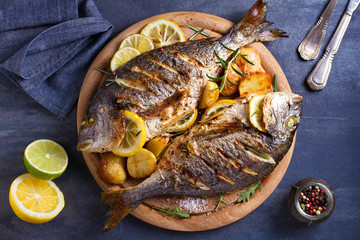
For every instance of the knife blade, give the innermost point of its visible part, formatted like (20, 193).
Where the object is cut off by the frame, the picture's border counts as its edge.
(319, 76)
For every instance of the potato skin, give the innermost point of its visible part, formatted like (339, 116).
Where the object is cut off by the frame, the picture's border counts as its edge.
(209, 97)
(112, 168)
(253, 56)
(156, 145)
(142, 164)
(230, 88)
(260, 82)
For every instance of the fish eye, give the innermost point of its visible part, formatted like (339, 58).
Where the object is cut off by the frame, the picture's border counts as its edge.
(291, 122)
(91, 121)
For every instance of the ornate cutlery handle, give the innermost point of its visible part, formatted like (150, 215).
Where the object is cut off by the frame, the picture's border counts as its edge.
(310, 46)
(318, 77)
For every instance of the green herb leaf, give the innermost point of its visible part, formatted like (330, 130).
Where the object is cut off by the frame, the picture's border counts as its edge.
(232, 82)
(184, 147)
(215, 79)
(170, 211)
(275, 83)
(196, 30)
(249, 192)
(149, 104)
(221, 200)
(256, 152)
(111, 81)
(226, 47)
(239, 73)
(221, 60)
(195, 34)
(176, 134)
(254, 113)
(137, 134)
(247, 60)
(103, 71)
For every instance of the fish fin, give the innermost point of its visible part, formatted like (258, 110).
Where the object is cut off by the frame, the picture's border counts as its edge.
(254, 22)
(121, 202)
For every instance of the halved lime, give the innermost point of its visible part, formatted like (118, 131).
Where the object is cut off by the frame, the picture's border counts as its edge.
(45, 159)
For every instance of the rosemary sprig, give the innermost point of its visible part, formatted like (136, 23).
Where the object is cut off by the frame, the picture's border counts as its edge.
(111, 81)
(226, 47)
(197, 30)
(275, 83)
(249, 193)
(254, 113)
(187, 116)
(195, 34)
(222, 61)
(171, 211)
(238, 72)
(185, 146)
(137, 134)
(256, 152)
(176, 134)
(103, 71)
(221, 200)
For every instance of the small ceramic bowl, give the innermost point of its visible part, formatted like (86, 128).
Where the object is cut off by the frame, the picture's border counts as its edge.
(295, 207)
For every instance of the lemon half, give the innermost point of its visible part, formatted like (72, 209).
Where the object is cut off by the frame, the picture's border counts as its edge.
(214, 109)
(122, 56)
(34, 200)
(255, 111)
(138, 41)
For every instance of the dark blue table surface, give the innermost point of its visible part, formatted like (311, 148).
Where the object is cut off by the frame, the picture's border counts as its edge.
(327, 146)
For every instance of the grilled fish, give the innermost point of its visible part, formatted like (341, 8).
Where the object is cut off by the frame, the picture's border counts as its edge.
(221, 155)
(165, 84)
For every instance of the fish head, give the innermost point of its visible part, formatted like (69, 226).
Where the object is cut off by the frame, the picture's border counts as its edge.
(102, 128)
(281, 114)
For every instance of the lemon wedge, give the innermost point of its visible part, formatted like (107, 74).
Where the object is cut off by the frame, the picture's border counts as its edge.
(135, 135)
(214, 109)
(255, 112)
(34, 200)
(184, 123)
(163, 32)
(122, 56)
(138, 41)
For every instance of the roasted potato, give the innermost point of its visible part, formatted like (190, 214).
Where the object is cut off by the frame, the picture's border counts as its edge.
(233, 86)
(209, 97)
(253, 56)
(156, 145)
(112, 168)
(141, 164)
(255, 83)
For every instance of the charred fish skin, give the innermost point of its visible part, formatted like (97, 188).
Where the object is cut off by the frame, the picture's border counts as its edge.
(163, 85)
(219, 155)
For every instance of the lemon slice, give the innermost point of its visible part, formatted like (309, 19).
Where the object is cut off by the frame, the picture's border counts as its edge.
(184, 123)
(122, 56)
(138, 41)
(214, 109)
(135, 135)
(45, 159)
(34, 200)
(163, 32)
(255, 112)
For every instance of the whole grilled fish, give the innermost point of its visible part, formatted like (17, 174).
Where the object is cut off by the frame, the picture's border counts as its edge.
(221, 155)
(165, 84)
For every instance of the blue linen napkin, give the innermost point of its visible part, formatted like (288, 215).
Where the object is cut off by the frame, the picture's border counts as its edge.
(47, 46)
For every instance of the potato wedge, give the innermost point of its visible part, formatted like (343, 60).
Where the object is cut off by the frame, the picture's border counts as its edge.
(141, 164)
(253, 56)
(260, 82)
(157, 145)
(112, 168)
(209, 97)
(233, 86)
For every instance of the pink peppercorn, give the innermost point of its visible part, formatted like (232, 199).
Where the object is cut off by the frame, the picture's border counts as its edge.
(311, 212)
(322, 190)
(324, 208)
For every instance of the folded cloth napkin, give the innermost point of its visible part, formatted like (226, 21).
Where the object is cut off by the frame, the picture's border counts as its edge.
(47, 46)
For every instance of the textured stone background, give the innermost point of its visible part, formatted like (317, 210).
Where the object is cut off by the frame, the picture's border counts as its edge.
(327, 143)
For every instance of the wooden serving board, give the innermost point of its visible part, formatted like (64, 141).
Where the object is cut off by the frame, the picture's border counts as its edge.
(207, 218)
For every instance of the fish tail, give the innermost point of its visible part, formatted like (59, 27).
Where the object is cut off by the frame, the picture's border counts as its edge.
(122, 202)
(251, 26)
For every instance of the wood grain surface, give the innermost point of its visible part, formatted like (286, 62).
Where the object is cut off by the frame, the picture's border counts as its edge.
(207, 218)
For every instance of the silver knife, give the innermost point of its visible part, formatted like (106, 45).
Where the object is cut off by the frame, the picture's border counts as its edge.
(310, 46)
(318, 77)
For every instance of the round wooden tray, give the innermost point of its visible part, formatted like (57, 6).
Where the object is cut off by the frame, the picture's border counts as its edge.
(208, 218)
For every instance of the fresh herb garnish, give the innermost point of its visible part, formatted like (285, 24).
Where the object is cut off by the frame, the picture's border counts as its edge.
(221, 200)
(247, 60)
(184, 147)
(275, 83)
(198, 30)
(254, 113)
(176, 134)
(103, 71)
(256, 152)
(111, 81)
(195, 34)
(187, 116)
(137, 134)
(249, 193)
(223, 64)
(171, 211)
